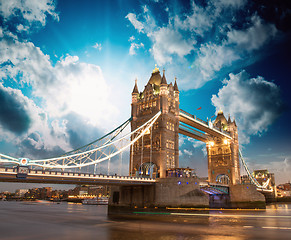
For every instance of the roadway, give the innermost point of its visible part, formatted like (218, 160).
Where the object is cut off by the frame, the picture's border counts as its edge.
(55, 177)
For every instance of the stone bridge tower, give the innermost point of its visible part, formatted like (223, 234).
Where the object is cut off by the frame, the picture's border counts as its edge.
(158, 150)
(223, 154)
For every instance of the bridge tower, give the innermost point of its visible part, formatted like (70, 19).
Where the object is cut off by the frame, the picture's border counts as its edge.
(223, 154)
(158, 150)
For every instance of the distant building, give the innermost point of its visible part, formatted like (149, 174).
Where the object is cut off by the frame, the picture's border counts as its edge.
(39, 193)
(20, 192)
(262, 177)
(89, 190)
(284, 190)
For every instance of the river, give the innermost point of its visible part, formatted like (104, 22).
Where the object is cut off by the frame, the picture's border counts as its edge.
(48, 220)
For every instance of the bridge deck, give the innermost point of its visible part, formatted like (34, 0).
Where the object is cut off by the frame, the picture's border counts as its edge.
(42, 176)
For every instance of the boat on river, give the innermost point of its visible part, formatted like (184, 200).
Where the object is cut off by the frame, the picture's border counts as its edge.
(95, 201)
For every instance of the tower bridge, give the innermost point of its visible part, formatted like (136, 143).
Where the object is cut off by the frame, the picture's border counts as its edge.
(160, 148)
(153, 147)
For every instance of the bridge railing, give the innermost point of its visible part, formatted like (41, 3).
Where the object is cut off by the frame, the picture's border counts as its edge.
(193, 116)
(73, 174)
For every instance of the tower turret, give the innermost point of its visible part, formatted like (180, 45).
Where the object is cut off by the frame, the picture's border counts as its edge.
(164, 94)
(223, 153)
(158, 150)
(134, 99)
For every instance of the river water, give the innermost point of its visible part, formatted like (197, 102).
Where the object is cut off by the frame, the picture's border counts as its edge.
(48, 220)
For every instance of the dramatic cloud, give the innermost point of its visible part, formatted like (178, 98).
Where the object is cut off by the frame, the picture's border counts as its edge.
(254, 102)
(200, 21)
(208, 37)
(14, 114)
(24, 124)
(236, 4)
(168, 42)
(69, 86)
(79, 136)
(29, 10)
(27, 126)
(211, 58)
(253, 37)
(70, 92)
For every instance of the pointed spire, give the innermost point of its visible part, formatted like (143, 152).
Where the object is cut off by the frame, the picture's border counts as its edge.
(234, 122)
(176, 86)
(164, 81)
(229, 120)
(135, 89)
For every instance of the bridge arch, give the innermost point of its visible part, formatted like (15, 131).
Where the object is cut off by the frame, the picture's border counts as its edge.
(223, 179)
(148, 169)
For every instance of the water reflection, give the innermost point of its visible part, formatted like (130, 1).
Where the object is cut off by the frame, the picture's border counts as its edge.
(20, 220)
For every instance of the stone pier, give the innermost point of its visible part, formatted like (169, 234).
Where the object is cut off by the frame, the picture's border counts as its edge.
(166, 192)
(182, 193)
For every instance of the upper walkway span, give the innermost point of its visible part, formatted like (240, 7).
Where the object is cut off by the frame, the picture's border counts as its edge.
(207, 129)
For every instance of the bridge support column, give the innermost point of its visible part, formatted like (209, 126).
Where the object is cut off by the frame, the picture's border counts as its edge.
(167, 192)
(246, 196)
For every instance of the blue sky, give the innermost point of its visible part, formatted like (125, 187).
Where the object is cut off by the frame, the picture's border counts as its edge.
(66, 64)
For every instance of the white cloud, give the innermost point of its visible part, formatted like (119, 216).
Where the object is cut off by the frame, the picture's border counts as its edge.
(200, 21)
(212, 58)
(97, 46)
(168, 42)
(21, 28)
(30, 10)
(69, 86)
(187, 152)
(230, 3)
(133, 47)
(181, 140)
(72, 94)
(132, 38)
(137, 24)
(254, 102)
(253, 37)
(203, 38)
(26, 119)
(145, 9)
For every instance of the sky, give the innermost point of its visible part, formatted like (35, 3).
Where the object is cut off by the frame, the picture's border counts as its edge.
(67, 70)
